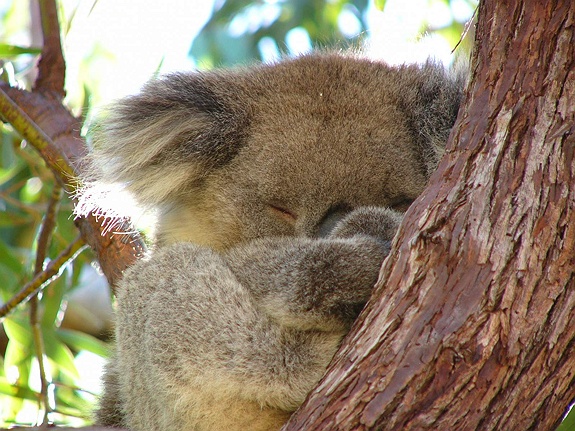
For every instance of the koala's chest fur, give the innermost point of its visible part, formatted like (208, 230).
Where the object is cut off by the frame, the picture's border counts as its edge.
(278, 190)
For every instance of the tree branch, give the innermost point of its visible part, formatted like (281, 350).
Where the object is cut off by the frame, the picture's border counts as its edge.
(53, 269)
(54, 132)
(51, 67)
(46, 231)
(14, 113)
(49, 127)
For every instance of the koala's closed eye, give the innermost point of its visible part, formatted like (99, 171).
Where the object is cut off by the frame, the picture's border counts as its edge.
(283, 213)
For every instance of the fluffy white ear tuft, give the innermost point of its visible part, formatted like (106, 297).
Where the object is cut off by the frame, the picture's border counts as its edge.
(163, 141)
(114, 207)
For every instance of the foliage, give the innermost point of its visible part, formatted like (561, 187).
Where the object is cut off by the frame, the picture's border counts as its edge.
(25, 192)
(241, 31)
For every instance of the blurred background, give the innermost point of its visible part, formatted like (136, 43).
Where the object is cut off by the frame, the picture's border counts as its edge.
(111, 48)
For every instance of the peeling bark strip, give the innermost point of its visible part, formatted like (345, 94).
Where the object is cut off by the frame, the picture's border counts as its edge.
(472, 325)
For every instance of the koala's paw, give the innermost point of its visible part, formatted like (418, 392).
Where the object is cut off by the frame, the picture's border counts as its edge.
(377, 222)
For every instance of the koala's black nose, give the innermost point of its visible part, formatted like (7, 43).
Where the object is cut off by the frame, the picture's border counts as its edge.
(330, 219)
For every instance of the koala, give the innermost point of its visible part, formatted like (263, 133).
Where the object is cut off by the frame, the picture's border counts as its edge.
(278, 189)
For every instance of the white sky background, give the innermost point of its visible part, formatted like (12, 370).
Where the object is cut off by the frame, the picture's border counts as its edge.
(139, 34)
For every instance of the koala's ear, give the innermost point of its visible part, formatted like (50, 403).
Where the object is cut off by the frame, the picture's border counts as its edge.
(170, 135)
(431, 98)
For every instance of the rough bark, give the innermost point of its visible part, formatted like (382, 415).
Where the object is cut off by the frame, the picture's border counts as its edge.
(471, 324)
(51, 67)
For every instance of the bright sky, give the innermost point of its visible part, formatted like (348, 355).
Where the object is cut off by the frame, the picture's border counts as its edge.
(139, 35)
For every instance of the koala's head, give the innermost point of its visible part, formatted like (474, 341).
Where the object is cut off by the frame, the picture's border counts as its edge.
(281, 149)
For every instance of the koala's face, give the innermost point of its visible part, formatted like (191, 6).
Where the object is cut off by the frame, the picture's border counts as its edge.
(298, 176)
(278, 150)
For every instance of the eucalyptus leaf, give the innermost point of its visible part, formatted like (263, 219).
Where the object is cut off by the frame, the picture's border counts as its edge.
(52, 298)
(59, 353)
(7, 51)
(379, 4)
(18, 329)
(12, 390)
(80, 341)
(10, 259)
(18, 357)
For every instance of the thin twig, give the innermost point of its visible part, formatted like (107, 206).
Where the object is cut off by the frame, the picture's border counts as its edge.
(47, 228)
(53, 269)
(466, 29)
(46, 231)
(51, 67)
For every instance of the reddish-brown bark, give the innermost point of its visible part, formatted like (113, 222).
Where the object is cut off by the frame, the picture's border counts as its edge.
(64, 155)
(471, 324)
(51, 67)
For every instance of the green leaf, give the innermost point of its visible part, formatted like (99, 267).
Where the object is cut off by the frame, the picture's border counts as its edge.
(80, 341)
(12, 219)
(59, 353)
(69, 398)
(10, 408)
(568, 423)
(71, 411)
(11, 168)
(18, 356)
(7, 51)
(18, 329)
(9, 257)
(379, 4)
(52, 297)
(10, 281)
(17, 391)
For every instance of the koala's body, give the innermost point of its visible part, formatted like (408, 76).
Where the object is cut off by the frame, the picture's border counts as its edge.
(278, 190)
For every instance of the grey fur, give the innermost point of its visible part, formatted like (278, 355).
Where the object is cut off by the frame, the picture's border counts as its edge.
(279, 188)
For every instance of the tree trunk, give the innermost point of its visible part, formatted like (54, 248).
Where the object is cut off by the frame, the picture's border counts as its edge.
(472, 324)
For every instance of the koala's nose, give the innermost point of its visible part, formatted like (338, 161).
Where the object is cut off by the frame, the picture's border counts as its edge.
(330, 219)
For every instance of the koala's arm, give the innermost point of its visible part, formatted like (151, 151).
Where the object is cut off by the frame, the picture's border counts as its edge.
(194, 351)
(317, 284)
(235, 341)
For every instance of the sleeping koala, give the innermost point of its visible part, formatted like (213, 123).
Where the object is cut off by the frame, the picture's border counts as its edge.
(278, 189)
